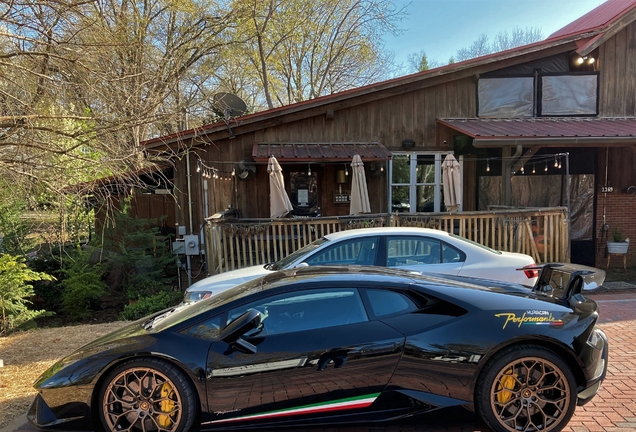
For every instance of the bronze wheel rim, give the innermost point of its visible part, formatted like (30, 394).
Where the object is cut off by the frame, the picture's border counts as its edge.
(529, 395)
(141, 399)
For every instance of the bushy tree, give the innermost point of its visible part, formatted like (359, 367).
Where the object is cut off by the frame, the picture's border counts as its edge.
(16, 292)
(82, 285)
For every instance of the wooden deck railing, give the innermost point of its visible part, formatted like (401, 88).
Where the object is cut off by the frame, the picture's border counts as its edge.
(235, 243)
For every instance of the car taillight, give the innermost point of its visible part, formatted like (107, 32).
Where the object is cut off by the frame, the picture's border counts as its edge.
(531, 272)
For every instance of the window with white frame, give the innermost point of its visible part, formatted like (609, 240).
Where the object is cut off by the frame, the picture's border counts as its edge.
(416, 182)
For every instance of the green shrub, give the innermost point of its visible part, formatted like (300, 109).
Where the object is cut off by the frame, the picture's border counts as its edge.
(82, 286)
(135, 258)
(147, 305)
(15, 293)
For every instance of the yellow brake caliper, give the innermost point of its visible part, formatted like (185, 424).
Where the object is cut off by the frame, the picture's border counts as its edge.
(167, 405)
(506, 382)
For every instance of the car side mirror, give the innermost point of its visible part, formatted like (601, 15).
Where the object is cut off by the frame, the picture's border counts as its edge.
(241, 325)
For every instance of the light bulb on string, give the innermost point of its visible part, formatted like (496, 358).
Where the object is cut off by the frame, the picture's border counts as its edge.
(381, 168)
(233, 172)
(488, 165)
(546, 167)
(346, 170)
(533, 170)
(198, 166)
(309, 170)
(556, 162)
(559, 164)
(522, 170)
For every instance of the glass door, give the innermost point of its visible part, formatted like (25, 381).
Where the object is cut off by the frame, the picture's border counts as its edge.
(416, 182)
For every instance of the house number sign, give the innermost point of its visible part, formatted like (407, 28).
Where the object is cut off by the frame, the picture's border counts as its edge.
(607, 189)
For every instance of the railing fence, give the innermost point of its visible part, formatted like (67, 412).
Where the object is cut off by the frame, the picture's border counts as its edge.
(235, 243)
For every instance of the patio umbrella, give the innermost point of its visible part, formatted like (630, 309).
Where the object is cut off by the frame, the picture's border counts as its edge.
(450, 173)
(359, 193)
(279, 204)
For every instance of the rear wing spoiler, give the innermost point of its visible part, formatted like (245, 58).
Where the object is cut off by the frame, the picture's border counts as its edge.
(564, 281)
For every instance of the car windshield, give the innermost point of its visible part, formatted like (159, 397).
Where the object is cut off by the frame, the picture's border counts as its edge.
(177, 315)
(294, 256)
(475, 243)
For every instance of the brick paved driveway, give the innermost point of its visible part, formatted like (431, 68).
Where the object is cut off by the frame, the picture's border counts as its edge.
(612, 410)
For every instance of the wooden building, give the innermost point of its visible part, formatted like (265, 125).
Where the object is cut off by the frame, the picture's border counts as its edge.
(522, 122)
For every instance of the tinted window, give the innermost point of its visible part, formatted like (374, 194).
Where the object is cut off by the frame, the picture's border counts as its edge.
(360, 251)
(305, 310)
(404, 251)
(384, 303)
(450, 254)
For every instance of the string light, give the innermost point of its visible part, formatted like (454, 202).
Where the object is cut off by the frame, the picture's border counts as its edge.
(559, 164)
(533, 170)
(546, 167)
(488, 165)
(309, 170)
(198, 166)
(233, 172)
(522, 170)
(556, 162)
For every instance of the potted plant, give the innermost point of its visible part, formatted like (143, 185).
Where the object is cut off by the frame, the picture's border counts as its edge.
(619, 245)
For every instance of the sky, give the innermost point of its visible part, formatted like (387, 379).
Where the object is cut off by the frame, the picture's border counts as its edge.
(441, 27)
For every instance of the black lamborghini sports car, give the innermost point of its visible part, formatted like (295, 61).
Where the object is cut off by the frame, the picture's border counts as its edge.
(313, 346)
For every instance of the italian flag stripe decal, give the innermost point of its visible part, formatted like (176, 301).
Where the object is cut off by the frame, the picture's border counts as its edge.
(341, 404)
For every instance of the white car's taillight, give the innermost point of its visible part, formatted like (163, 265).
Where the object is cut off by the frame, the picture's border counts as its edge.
(531, 272)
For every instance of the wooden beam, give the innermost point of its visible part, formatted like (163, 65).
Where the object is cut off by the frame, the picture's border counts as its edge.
(525, 158)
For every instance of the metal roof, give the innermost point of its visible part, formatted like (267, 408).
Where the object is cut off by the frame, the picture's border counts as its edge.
(598, 18)
(320, 152)
(555, 130)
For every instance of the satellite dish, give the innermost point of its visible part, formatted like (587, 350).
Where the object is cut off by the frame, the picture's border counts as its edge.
(228, 104)
(245, 169)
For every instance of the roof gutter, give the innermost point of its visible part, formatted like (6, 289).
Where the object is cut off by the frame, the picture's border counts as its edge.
(555, 141)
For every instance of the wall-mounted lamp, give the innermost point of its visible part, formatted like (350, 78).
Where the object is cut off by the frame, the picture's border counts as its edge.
(585, 59)
(408, 143)
(377, 168)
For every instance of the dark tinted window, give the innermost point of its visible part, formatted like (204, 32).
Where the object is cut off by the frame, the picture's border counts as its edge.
(384, 303)
(451, 254)
(306, 310)
(360, 251)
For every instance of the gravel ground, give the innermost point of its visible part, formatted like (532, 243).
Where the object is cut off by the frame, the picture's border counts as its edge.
(28, 354)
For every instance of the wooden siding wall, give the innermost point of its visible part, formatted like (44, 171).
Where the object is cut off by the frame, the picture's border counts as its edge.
(617, 65)
(410, 115)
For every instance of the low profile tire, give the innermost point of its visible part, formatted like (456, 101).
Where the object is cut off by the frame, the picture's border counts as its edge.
(526, 388)
(147, 395)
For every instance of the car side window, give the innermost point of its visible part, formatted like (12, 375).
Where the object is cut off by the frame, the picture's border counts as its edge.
(208, 329)
(451, 254)
(305, 310)
(384, 303)
(410, 250)
(360, 251)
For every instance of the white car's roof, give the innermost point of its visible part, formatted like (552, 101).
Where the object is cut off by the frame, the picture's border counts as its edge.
(385, 230)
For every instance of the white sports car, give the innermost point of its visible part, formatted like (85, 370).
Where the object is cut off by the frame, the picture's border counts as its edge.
(418, 249)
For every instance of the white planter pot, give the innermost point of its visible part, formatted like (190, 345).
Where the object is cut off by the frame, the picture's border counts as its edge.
(617, 247)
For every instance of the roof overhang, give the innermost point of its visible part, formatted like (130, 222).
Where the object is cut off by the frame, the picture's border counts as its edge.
(547, 131)
(320, 152)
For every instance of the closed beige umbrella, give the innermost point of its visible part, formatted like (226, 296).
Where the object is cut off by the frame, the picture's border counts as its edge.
(450, 173)
(279, 204)
(359, 193)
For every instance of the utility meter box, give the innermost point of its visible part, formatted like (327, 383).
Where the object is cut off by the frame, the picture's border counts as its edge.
(191, 244)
